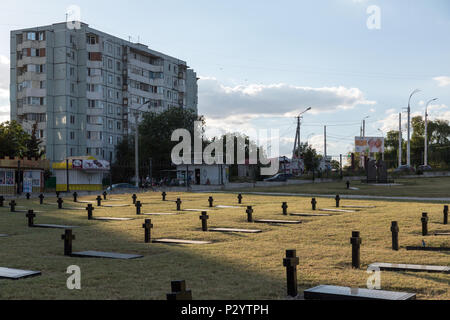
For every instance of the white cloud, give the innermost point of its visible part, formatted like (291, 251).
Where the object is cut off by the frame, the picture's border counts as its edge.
(274, 100)
(4, 88)
(442, 81)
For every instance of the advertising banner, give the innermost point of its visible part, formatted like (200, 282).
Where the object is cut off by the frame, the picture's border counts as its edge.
(369, 145)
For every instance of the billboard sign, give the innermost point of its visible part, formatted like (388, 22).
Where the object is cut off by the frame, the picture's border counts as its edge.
(369, 145)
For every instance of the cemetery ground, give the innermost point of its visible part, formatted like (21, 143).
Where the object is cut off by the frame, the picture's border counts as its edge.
(235, 266)
(403, 187)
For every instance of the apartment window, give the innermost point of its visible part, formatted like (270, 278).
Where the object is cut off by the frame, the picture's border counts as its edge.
(72, 88)
(118, 66)
(110, 64)
(42, 36)
(110, 139)
(110, 79)
(40, 101)
(91, 39)
(72, 135)
(41, 134)
(72, 119)
(110, 124)
(72, 71)
(42, 84)
(71, 152)
(110, 93)
(119, 81)
(95, 56)
(72, 103)
(110, 109)
(119, 126)
(118, 111)
(31, 36)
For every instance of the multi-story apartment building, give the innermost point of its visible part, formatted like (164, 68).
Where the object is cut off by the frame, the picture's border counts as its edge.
(83, 87)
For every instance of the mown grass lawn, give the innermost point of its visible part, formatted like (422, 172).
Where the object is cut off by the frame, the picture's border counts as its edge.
(235, 266)
(420, 187)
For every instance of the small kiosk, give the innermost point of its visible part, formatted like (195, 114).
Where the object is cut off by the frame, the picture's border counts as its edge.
(80, 174)
(22, 175)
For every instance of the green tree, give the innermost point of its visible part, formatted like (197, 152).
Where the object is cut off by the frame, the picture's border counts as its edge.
(311, 159)
(13, 140)
(33, 145)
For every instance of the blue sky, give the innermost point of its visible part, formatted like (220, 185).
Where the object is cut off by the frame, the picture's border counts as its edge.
(261, 62)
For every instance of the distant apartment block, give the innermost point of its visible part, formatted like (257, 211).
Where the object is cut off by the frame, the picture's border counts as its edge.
(83, 87)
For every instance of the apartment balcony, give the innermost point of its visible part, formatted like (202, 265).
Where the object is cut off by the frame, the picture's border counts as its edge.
(95, 80)
(32, 92)
(34, 44)
(93, 47)
(31, 60)
(25, 109)
(94, 95)
(32, 76)
(157, 82)
(94, 143)
(146, 66)
(94, 64)
(145, 94)
(94, 127)
(95, 111)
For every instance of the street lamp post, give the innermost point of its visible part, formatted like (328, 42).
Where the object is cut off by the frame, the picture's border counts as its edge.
(297, 143)
(408, 148)
(136, 143)
(425, 160)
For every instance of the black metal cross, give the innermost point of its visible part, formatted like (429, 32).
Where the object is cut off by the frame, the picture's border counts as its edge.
(394, 229)
(178, 202)
(28, 196)
(57, 194)
(211, 201)
(134, 197)
(179, 291)
(204, 217)
(60, 202)
(164, 194)
(12, 205)
(68, 238)
(284, 206)
(30, 215)
(239, 198)
(424, 220)
(249, 212)
(313, 203)
(138, 207)
(445, 214)
(75, 196)
(2, 199)
(348, 184)
(291, 262)
(99, 201)
(89, 210)
(41, 199)
(104, 195)
(356, 241)
(148, 229)
(338, 200)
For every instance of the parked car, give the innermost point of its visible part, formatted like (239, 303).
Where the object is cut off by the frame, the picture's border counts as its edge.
(280, 177)
(424, 168)
(122, 186)
(405, 168)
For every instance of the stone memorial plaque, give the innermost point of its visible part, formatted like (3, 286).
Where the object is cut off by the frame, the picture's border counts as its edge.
(179, 241)
(114, 199)
(442, 234)
(52, 226)
(278, 221)
(337, 210)
(194, 210)
(111, 219)
(160, 214)
(359, 207)
(74, 208)
(234, 230)
(228, 207)
(115, 205)
(311, 215)
(109, 255)
(15, 274)
(409, 267)
(86, 201)
(4, 235)
(344, 293)
(428, 248)
(371, 171)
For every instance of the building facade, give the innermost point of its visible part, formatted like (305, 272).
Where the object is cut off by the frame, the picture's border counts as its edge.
(84, 87)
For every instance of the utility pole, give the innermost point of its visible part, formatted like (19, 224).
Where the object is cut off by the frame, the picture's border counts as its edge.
(400, 138)
(297, 143)
(325, 142)
(408, 148)
(425, 160)
(136, 149)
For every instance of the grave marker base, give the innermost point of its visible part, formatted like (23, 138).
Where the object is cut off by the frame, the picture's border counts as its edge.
(278, 221)
(228, 207)
(344, 293)
(234, 230)
(15, 274)
(111, 219)
(52, 226)
(160, 214)
(337, 210)
(115, 205)
(442, 234)
(409, 267)
(179, 241)
(311, 215)
(428, 248)
(108, 255)
(359, 207)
